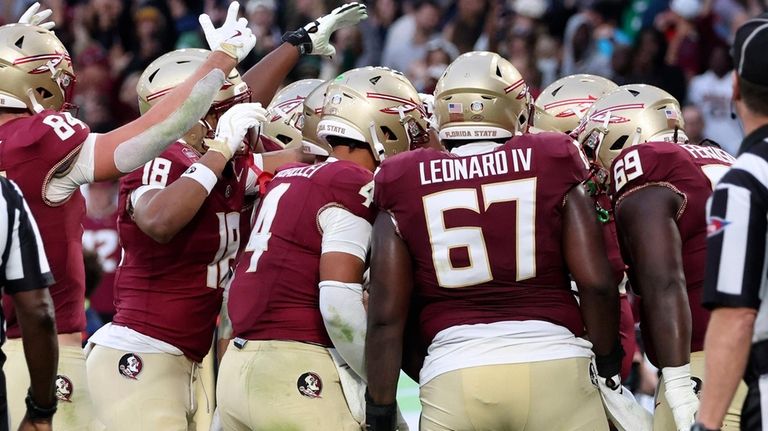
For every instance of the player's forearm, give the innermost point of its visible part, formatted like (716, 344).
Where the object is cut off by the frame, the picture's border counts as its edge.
(168, 211)
(667, 297)
(383, 356)
(265, 77)
(600, 310)
(35, 313)
(127, 148)
(275, 159)
(726, 347)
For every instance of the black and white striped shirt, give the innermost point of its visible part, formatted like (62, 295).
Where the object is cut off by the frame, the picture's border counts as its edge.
(23, 264)
(737, 232)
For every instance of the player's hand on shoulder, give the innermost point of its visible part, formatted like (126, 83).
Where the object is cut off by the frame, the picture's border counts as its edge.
(34, 16)
(233, 126)
(314, 38)
(234, 38)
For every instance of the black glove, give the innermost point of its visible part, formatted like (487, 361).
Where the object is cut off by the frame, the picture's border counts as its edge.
(380, 417)
(609, 366)
(699, 427)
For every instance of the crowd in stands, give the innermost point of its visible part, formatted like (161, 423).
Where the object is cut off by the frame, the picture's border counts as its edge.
(679, 45)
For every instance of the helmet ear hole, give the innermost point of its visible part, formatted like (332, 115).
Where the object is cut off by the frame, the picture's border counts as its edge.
(498, 71)
(283, 138)
(19, 42)
(153, 75)
(45, 94)
(619, 144)
(388, 133)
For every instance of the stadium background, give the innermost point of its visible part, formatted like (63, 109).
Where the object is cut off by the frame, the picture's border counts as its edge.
(680, 46)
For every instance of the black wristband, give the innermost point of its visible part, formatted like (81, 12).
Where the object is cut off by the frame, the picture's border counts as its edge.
(379, 417)
(699, 427)
(300, 39)
(35, 412)
(609, 365)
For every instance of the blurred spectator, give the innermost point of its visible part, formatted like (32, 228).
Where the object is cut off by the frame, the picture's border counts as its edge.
(93, 274)
(711, 92)
(580, 50)
(261, 18)
(547, 61)
(694, 123)
(186, 23)
(382, 13)
(466, 27)
(100, 237)
(426, 72)
(408, 36)
(649, 67)
(689, 28)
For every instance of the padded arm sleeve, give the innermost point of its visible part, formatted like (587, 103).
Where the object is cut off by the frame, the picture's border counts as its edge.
(60, 188)
(148, 144)
(341, 305)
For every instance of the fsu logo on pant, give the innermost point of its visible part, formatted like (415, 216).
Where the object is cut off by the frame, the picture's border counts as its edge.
(130, 366)
(64, 388)
(310, 385)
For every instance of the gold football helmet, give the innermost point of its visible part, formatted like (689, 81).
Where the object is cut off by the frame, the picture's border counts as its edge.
(375, 105)
(173, 68)
(562, 105)
(313, 109)
(481, 95)
(285, 116)
(629, 115)
(35, 69)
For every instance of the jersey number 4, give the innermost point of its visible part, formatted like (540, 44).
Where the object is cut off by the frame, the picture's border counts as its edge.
(260, 235)
(443, 239)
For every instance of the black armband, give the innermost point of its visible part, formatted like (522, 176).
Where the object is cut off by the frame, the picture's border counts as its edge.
(35, 412)
(300, 39)
(379, 417)
(609, 365)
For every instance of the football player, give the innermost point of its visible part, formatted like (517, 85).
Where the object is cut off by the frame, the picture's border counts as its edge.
(560, 108)
(176, 258)
(659, 185)
(285, 115)
(309, 241)
(49, 154)
(482, 239)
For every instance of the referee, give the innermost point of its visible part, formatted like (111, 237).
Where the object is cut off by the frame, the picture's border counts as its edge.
(24, 275)
(736, 344)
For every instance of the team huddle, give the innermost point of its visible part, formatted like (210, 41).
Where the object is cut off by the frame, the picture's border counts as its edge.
(477, 239)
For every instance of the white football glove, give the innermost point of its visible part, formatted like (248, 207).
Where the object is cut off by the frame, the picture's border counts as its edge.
(314, 38)
(233, 37)
(678, 389)
(233, 126)
(33, 17)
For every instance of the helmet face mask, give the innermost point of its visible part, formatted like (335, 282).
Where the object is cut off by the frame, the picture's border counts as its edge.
(35, 69)
(375, 106)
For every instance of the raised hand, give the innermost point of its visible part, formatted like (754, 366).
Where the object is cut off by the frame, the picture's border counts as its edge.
(233, 37)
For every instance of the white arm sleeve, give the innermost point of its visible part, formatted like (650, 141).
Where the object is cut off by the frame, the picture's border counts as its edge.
(60, 188)
(344, 232)
(148, 144)
(341, 305)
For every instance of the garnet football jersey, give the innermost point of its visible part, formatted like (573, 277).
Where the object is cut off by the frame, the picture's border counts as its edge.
(485, 231)
(100, 236)
(691, 171)
(275, 294)
(173, 292)
(32, 150)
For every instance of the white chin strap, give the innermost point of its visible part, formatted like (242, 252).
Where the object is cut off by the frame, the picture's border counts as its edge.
(378, 146)
(37, 107)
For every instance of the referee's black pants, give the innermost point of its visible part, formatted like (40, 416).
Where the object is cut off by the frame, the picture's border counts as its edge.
(752, 411)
